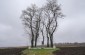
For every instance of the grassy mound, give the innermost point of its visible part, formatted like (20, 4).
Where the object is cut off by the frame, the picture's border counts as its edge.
(36, 51)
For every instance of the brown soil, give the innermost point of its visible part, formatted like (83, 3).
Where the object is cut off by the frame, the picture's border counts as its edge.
(11, 51)
(70, 51)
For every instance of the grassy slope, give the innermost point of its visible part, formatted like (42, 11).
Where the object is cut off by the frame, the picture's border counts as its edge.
(39, 51)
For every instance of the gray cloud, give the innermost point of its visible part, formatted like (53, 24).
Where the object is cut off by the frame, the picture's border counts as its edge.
(70, 29)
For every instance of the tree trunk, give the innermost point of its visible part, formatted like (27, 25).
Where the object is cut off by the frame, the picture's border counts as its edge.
(43, 40)
(36, 37)
(35, 41)
(51, 40)
(32, 42)
(43, 37)
(47, 41)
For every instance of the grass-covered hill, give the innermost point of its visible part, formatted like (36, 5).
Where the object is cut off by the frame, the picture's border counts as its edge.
(39, 51)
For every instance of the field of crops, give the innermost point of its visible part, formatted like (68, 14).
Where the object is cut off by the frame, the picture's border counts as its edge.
(11, 51)
(70, 51)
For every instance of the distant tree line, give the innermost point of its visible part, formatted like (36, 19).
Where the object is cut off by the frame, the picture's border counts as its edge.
(41, 21)
(75, 44)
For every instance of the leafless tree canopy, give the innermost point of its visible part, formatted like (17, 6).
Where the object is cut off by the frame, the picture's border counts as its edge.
(42, 20)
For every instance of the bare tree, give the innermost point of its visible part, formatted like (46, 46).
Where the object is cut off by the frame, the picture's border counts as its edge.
(44, 24)
(42, 20)
(43, 35)
(42, 28)
(37, 28)
(52, 12)
(31, 22)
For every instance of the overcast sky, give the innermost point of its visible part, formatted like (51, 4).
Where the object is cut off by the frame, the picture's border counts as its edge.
(70, 29)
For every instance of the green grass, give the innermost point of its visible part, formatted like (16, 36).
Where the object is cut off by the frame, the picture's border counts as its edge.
(39, 51)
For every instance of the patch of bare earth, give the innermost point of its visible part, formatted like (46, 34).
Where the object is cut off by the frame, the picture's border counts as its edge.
(70, 51)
